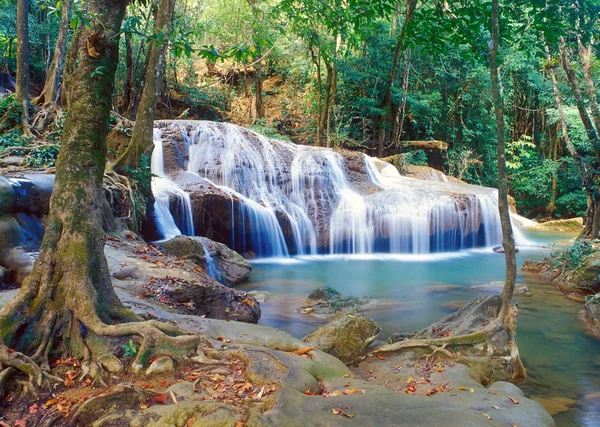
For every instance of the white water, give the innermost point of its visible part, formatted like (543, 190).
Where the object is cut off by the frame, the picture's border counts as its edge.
(163, 189)
(303, 200)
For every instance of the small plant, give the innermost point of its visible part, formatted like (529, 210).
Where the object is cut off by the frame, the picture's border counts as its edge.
(573, 257)
(42, 156)
(130, 349)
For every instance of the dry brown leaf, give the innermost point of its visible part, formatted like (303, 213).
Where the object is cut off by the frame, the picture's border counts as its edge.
(304, 350)
(513, 401)
(351, 391)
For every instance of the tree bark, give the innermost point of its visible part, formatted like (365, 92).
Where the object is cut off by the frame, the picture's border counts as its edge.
(257, 110)
(141, 143)
(508, 241)
(386, 103)
(129, 75)
(585, 54)
(592, 216)
(67, 304)
(51, 91)
(22, 83)
(317, 61)
(327, 101)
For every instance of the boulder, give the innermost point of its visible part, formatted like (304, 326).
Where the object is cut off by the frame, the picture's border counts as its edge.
(205, 297)
(574, 225)
(326, 300)
(221, 263)
(346, 337)
(162, 365)
(592, 313)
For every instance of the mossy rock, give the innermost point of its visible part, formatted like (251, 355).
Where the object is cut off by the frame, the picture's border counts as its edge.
(346, 337)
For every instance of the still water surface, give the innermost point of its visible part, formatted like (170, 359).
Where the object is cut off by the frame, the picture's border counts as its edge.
(415, 291)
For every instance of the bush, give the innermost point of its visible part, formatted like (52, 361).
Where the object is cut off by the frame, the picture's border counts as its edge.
(573, 258)
(42, 156)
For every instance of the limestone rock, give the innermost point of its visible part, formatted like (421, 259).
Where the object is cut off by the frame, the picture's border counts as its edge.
(574, 225)
(223, 264)
(162, 365)
(111, 363)
(346, 337)
(326, 300)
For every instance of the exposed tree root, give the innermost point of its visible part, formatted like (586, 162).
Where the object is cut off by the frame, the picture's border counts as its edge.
(483, 336)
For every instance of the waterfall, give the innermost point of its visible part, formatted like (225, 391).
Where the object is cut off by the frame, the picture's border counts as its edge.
(165, 190)
(287, 199)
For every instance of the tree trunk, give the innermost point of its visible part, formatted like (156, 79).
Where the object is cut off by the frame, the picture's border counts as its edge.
(331, 103)
(327, 101)
(386, 103)
(257, 109)
(508, 241)
(51, 91)
(592, 216)
(581, 166)
(317, 61)
(22, 84)
(141, 143)
(67, 304)
(129, 76)
(586, 64)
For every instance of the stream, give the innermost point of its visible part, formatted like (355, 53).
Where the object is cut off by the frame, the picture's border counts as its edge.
(417, 290)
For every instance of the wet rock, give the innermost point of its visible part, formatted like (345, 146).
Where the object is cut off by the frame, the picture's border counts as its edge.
(574, 225)
(592, 312)
(111, 363)
(127, 272)
(495, 287)
(523, 291)
(206, 297)
(162, 365)
(346, 337)
(554, 405)
(470, 318)
(228, 267)
(261, 296)
(326, 300)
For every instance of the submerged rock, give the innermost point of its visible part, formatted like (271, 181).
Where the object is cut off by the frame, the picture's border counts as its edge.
(223, 264)
(346, 337)
(592, 314)
(326, 300)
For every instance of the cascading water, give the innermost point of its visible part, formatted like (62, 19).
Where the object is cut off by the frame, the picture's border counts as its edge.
(288, 199)
(163, 189)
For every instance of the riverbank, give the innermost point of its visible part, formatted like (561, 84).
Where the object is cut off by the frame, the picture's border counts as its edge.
(309, 387)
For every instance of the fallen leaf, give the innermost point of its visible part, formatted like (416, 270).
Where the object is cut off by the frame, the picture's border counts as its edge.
(496, 407)
(335, 411)
(410, 380)
(379, 356)
(50, 402)
(351, 391)
(487, 416)
(248, 302)
(349, 415)
(472, 390)
(192, 420)
(462, 388)
(513, 401)
(159, 398)
(304, 350)
(223, 339)
(33, 408)
(20, 423)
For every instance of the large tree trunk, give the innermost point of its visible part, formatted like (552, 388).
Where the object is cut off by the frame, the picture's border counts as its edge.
(22, 86)
(67, 304)
(128, 89)
(585, 54)
(581, 166)
(386, 103)
(508, 241)
(317, 61)
(141, 143)
(257, 109)
(592, 216)
(323, 120)
(51, 91)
